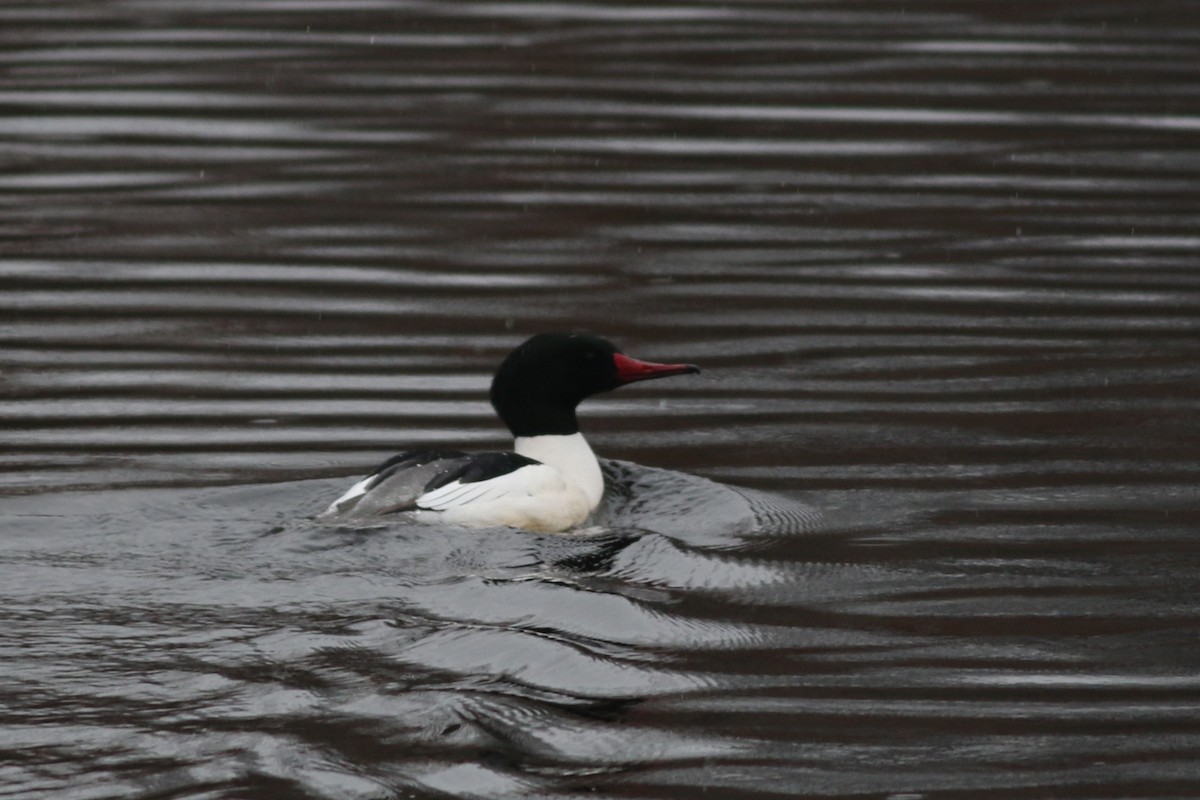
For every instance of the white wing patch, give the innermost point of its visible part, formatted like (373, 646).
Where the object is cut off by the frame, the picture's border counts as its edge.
(523, 482)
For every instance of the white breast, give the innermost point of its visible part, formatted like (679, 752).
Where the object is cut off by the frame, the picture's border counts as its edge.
(571, 456)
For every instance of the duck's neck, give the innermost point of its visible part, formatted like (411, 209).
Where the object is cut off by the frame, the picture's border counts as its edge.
(571, 455)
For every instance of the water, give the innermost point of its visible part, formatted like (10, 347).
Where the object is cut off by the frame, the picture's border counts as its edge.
(938, 264)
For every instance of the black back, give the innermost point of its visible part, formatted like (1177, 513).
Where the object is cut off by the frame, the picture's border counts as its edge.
(479, 467)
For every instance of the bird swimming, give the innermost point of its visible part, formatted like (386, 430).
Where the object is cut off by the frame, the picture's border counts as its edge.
(549, 482)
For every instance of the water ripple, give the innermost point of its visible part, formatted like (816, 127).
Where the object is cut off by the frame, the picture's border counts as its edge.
(938, 268)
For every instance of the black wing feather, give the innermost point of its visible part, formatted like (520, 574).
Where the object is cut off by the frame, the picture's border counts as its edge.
(479, 467)
(411, 459)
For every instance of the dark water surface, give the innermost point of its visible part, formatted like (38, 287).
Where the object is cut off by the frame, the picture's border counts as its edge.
(939, 261)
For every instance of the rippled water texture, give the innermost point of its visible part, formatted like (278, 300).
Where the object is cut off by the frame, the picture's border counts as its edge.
(938, 260)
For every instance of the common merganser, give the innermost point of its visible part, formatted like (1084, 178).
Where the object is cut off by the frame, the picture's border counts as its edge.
(549, 482)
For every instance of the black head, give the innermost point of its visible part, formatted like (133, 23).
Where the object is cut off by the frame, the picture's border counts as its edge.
(539, 384)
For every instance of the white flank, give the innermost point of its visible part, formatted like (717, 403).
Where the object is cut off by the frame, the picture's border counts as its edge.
(554, 495)
(535, 497)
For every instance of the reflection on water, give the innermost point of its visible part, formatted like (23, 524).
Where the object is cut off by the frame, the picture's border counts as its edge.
(938, 265)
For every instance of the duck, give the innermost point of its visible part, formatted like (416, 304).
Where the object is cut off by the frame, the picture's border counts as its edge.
(549, 482)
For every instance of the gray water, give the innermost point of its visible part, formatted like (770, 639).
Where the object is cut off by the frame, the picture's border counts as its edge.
(925, 526)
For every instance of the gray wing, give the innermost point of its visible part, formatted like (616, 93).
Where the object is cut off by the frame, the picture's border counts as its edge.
(396, 485)
(406, 481)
